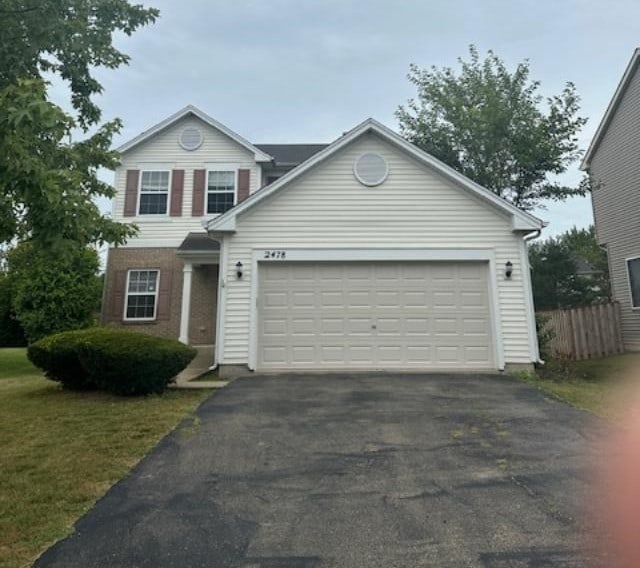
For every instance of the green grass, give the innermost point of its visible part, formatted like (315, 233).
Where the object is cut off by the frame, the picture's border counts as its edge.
(591, 384)
(60, 451)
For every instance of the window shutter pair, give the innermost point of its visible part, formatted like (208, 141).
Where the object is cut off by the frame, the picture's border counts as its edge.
(200, 180)
(131, 193)
(119, 295)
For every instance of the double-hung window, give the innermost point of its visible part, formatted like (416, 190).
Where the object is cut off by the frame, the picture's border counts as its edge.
(154, 192)
(633, 268)
(142, 295)
(221, 190)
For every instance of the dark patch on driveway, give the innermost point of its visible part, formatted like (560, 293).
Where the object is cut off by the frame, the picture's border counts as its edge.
(313, 471)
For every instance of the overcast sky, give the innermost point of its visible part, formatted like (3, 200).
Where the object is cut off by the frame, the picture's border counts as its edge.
(307, 70)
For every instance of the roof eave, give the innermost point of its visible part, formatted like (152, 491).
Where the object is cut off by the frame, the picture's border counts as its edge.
(611, 109)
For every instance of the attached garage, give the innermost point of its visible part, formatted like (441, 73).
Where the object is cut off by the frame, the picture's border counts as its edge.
(375, 315)
(373, 255)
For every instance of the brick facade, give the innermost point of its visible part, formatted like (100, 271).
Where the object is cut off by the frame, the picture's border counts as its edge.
(204, 294)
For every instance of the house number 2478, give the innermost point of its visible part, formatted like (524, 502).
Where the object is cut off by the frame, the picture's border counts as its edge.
(277, 254)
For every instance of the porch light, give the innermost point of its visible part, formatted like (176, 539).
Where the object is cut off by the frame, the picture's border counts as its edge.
(508, 269)
(239, 269)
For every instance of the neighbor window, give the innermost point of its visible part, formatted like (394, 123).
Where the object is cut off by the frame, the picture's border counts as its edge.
(154, 193)
(221, 191)
(633, 268)
(142, 294)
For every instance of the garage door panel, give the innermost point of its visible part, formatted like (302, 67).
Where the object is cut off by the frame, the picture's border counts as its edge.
(374, 315)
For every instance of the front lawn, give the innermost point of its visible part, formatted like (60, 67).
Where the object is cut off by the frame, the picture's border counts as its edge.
(591, 384)
(60, 451)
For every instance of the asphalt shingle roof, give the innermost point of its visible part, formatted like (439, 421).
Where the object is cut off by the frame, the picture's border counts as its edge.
(290, 154)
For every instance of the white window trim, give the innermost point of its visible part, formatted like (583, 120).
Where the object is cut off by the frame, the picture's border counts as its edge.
(355, 255)
(154, 215)
(127, 294)
(220, 168)
(626, 263)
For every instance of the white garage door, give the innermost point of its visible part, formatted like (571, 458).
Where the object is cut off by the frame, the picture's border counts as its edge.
(374, 315)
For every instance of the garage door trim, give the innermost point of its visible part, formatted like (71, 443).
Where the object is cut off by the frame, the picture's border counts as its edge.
(279, 255)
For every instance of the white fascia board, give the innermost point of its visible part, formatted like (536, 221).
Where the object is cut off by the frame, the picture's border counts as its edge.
(521, 219)
(259, 155)
(611, 109)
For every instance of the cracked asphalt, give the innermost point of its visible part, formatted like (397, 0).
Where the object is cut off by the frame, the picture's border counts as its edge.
(362, 470)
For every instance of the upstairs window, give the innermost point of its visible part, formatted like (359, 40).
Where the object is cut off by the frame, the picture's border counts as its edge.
(633, 268)
(142, 295)
(221, 191)
(154, 193)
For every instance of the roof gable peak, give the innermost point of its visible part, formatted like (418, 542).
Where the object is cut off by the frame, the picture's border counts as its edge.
(259, 155)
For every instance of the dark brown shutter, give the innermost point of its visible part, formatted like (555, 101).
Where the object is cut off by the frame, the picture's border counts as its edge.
(244, 180)
(177, 187)
(131, 193)
(116, 309)
(197, 207)
(163, 312)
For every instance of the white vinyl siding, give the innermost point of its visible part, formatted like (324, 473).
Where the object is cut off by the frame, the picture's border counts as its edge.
(164, 151)
(414, 208)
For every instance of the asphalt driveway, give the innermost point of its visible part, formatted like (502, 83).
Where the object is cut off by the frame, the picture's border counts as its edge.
(303, 471)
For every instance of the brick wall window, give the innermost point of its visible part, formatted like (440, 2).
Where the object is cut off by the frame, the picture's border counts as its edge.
(142, 295)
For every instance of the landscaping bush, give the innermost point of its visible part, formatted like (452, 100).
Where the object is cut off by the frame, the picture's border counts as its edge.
(58, 356)
(129, 363)
(117, 361)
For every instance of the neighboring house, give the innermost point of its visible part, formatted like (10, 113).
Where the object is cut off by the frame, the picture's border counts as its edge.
(613, 162)
(366, 253)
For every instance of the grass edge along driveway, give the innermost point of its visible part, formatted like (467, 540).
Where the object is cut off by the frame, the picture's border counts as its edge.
(595, 385)
(62, 450)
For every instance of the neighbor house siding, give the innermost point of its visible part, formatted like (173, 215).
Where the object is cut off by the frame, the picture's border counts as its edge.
(414, 208)
(165, 151)
(615, 168)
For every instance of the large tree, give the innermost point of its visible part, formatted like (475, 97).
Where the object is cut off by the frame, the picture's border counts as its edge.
(492, 125)
(48, 184)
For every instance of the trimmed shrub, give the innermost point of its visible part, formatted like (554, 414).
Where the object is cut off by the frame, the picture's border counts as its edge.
(58, 356)
(130, 363)
(117, 361)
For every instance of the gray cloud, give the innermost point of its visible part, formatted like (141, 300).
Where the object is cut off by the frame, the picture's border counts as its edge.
(292, 71)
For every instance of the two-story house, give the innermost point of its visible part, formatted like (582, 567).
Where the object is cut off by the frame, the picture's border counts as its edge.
(613, 162)
(365, 253)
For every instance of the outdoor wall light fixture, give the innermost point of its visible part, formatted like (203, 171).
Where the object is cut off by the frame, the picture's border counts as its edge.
(239, 269)
(508, 269)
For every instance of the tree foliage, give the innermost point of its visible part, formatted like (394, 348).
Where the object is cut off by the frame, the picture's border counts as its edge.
(555, 278)
(493, 126)
(48, 184)
(54, 293)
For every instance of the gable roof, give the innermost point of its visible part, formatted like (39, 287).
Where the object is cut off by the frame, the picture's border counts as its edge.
(291, 154)
(260, 156)
(612, 108)
(521, 220)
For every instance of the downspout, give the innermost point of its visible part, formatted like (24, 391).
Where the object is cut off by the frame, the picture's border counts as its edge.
(526, 239)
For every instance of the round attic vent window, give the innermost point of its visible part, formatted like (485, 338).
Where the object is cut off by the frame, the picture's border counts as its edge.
(191, 138)
(371, 169)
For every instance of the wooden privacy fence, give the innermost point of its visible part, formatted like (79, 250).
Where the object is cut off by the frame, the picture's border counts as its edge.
(585, 333)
